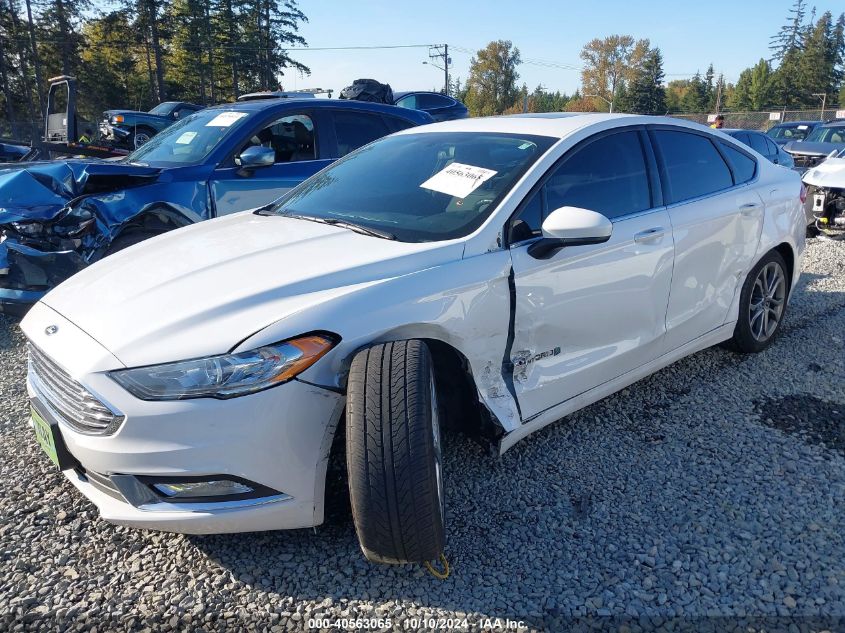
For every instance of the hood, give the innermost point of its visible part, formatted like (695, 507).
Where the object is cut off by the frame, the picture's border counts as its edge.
(829, 174)
(39, 191)
(811, 149)
(202, 289)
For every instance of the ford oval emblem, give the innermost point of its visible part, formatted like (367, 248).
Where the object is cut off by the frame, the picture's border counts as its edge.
(51, 329)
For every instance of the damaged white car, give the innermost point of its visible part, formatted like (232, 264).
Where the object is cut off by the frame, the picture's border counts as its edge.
(825, 204)
(494, 274)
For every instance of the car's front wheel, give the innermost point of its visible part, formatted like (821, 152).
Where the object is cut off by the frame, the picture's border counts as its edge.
(762, 305)
(393, 453)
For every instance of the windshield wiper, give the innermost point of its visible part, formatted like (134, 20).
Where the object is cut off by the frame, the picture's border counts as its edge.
(364, 230)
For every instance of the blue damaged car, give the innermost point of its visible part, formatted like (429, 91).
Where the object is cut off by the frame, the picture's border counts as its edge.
(57, 217)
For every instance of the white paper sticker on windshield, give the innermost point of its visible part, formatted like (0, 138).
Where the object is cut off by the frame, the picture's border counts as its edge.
(458, 180)
(225, 119)
(186, 138)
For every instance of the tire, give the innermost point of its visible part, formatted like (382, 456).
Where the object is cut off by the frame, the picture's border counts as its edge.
(762, 305)
(129, 238)
(393, 453)
(141, 136)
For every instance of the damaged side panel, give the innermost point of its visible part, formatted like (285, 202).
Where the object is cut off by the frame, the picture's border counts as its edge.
(473, 318)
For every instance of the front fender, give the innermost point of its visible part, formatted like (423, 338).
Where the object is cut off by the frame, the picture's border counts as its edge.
(465, 303)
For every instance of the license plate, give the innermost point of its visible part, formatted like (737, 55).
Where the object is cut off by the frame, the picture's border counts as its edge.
(818, 202)
(44, 436)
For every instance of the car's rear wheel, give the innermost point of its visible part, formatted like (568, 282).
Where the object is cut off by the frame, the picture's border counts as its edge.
(393, 453)
(762, 305)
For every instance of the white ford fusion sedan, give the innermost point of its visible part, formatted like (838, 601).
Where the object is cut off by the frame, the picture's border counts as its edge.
(494, 274)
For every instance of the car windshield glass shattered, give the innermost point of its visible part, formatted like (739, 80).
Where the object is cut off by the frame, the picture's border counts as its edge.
(189, 141)
(418, 187)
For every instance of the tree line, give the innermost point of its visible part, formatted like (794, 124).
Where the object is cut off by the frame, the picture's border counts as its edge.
(141, 52)
(807, 60)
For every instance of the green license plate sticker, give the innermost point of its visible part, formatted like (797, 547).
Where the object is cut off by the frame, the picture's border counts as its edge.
(44, 436)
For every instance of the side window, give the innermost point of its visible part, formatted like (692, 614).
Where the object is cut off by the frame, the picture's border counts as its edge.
(409, 101)
(291, 137)
(742, 137)
(607, 175)
(356, 129)
(433, 101)
(744, 166)
(396, 124)
(758, 143)
(693, 165)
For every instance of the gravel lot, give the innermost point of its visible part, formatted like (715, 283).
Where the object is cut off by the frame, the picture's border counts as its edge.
(714, 488)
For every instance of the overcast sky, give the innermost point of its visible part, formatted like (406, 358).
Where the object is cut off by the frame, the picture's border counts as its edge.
(731, 34)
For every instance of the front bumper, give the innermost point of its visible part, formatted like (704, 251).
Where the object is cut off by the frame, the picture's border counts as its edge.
(278, 438)
(27, 274)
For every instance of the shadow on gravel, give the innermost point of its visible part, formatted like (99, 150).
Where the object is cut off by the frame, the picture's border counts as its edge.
(812, 420)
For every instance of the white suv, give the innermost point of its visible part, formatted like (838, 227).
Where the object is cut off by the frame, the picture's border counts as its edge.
(496, 273)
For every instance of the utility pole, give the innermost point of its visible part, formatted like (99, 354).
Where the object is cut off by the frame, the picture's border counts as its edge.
(823, 97)
(440, 52)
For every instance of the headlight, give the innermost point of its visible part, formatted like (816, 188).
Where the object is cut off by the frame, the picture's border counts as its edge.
(227, 375)
(118, 118)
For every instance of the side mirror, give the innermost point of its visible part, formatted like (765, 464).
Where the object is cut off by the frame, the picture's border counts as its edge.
(253, 157)
(570, 226)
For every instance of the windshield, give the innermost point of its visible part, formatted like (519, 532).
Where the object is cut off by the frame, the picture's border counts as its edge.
(190, 141)
(827, 135)
(418, 187)
(792, 133)
(163, 109)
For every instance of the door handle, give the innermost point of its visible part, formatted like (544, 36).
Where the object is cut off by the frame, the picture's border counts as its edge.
(749, 209)
(649, 235)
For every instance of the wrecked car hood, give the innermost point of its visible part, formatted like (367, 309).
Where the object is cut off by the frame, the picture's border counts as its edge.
(804, 148)
(829, 174)
(39, 191)
(227, 279)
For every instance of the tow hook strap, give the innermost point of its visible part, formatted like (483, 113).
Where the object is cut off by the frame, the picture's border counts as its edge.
(440, 575)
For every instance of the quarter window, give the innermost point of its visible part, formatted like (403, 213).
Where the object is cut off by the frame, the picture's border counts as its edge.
(744, 167)
(693, 165)
(758, 143)
(355, 129)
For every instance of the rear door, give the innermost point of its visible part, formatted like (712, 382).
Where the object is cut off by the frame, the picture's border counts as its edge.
(716, 217)
(588, 314)
(295, 136)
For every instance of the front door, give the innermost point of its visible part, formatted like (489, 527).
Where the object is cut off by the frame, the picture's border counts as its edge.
(297, 158)
(591, 313)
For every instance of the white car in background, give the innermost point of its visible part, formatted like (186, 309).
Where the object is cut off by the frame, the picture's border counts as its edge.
(825, 204)
(493, 273)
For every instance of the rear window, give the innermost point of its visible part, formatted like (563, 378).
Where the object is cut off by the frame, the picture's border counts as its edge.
(693, 166)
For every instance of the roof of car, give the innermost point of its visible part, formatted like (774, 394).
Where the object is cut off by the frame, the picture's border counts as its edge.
(834, 124)
(795, 123)
(309, 102)
(553, 124)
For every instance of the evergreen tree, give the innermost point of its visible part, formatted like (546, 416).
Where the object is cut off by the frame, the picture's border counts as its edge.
(646, 94)
(789, 36)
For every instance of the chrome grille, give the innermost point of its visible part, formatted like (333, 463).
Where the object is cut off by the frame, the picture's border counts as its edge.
(74, 404)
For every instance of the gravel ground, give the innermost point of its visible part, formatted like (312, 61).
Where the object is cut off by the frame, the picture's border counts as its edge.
(712, 489)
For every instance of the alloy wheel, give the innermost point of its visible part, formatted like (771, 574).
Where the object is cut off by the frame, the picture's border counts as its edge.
(768, 297)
